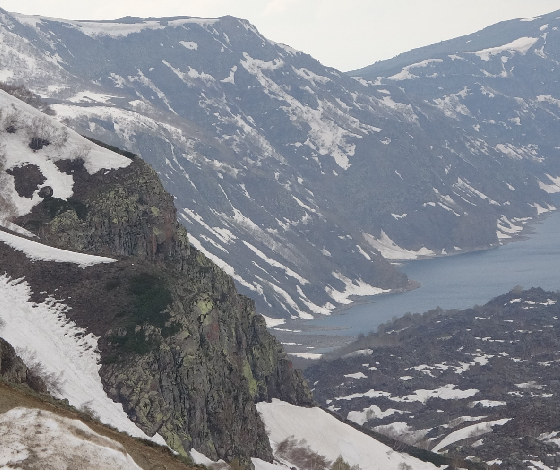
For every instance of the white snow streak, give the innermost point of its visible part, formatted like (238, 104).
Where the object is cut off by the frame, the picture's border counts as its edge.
(38, 252)
(390, 250)
(521, 45)
(470, 431)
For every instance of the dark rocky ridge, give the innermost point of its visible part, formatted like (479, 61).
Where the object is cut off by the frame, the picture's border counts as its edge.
(280, 165)
(192, 370)
(506, 352)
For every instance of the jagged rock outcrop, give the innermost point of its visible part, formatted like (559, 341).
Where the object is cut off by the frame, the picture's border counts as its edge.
(185, 354)
(14, 370)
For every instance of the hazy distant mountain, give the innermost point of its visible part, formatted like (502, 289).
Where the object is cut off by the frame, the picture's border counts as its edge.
(293, 176)
(502, 82)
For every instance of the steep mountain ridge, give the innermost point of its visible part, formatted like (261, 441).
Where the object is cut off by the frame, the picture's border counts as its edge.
(319, 176)
(496, 35)
(502, 82)
(142, 319)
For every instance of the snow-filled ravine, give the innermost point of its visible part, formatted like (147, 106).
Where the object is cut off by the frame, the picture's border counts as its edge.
(44, 337)
(459, 281)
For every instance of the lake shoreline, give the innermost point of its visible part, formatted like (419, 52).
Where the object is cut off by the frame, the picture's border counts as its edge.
(447, 281)
(524, 235)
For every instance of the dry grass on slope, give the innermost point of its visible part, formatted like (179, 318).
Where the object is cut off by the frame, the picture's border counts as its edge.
(147, 455)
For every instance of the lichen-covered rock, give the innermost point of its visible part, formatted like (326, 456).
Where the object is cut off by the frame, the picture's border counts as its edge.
(186, 355)
(123, 213)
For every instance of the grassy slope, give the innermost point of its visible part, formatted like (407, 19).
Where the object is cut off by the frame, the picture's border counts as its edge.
(147, 455)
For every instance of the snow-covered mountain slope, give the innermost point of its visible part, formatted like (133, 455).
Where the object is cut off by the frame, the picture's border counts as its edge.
(512, 33)
(502, 82)
(33, 438)
(25, 130)
(331, 438)
(295, 178)
(45, 336)
(480, 384)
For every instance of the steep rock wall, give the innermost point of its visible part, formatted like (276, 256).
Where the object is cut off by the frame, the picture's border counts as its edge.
(185, 354)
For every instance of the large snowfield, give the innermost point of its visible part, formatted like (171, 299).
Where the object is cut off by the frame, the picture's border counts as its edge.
(330, 437)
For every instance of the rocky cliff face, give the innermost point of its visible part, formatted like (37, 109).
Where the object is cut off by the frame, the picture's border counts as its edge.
(193, 370)
(185, 354)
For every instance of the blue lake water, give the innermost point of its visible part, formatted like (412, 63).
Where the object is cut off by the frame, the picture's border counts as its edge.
(460, 281)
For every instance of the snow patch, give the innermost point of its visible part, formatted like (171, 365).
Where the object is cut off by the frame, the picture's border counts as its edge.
(272, 322)
(373, 412)
(42, 332)
(352, 288)
(65, 145)
(231, 77)
(38, 252)
(192, 46)
(550, 188)
(390, 250)
(330, 437)
(488, 403)
(312, 356)
(405, 73)
(466, 187)
(91, 97)
(200, 459)
(114, 28)
(451, 105)
(469, 431)
(361, 352)
(357, 375)
(542, 210)
(521, 45)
